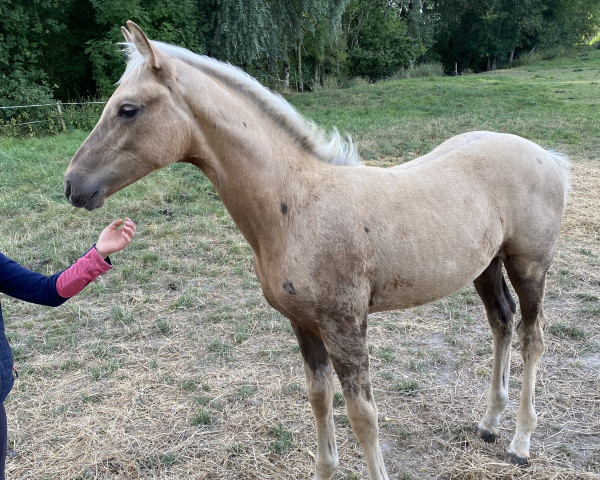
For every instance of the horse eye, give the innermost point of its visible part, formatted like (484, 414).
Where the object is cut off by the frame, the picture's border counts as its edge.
(127, 111)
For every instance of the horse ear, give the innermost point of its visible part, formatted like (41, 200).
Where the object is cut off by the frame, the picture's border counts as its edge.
(127, 35)
(144, 46)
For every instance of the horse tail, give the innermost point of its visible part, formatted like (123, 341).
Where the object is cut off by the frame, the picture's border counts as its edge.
(564, 168)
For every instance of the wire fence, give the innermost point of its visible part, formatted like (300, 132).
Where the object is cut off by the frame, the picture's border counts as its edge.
(48, 118)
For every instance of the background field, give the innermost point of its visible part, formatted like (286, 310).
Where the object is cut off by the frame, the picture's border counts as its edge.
(173, 366)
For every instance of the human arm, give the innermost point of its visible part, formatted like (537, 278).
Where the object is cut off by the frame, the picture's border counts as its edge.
(24, 284)
(113, 238)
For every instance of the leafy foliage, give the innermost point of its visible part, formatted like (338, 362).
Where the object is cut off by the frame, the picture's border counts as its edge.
(171, 21)
(382, 46)
(480, 34)
(67, 49)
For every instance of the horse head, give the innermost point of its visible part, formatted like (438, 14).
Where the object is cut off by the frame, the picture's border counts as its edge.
(142, 127)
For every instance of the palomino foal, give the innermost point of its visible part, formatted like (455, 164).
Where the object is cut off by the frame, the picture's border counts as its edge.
(334, 240)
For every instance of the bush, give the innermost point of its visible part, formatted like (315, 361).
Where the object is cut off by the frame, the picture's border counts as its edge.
(19, 89)
(385, 46)
(531, 58)
(374, 64)
(82, 116)
(358, 82)
(422, 70)
(29, 109)
(45, 120)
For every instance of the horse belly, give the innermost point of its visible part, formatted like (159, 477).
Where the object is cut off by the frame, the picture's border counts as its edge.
(428, 269)
(401, 292)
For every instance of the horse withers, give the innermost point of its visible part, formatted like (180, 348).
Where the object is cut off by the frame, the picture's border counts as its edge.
(334, 240)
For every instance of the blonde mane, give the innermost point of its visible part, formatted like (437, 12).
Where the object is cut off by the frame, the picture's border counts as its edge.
(330, 148)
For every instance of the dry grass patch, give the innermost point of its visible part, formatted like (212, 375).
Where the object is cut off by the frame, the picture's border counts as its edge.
(183, 375)
(582, 218)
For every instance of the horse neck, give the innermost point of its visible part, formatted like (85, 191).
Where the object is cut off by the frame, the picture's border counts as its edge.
(253, 164)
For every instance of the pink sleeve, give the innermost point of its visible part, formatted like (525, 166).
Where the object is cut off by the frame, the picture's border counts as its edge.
(82, 272)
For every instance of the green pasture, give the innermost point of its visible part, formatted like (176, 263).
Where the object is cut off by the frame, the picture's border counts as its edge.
(554, 103)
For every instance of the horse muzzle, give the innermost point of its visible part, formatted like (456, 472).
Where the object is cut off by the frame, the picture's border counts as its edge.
(81, 194)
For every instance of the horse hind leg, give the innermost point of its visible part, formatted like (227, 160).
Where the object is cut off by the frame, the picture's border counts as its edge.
(500, 309)
(528, 278)
(319, 384)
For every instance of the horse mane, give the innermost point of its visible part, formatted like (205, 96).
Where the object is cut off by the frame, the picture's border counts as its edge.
(330, 148)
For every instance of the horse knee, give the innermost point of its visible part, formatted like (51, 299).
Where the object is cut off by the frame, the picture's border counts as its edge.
(363, 419)
(319, 381)
(531, 338)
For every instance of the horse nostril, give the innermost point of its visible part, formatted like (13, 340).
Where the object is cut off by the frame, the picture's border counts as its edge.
(67, 188)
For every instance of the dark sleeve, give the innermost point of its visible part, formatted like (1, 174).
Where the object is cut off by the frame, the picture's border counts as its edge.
(20, 282)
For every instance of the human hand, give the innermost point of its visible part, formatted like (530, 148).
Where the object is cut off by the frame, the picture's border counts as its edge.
(115, 237)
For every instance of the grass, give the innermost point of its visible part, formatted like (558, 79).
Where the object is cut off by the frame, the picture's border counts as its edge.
(173, 366)
(406, 387)
(553, 103)
(283, 439)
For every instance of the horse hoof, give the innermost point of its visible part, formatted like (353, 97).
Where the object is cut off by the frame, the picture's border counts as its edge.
(486, 436)
(517, 459)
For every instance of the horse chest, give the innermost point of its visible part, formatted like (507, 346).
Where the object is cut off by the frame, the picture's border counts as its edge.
(314, 286)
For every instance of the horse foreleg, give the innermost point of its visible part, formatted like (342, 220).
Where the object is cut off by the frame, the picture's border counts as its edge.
(319, 384)
(346, 342)
(500, 309)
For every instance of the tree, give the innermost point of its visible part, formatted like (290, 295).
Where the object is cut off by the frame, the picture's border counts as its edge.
(24, 40)
(568, 21)
(325, 46)
(242, 31)
(172, 21)
(267, 36)
(421, 18)
(378, 39)
(314, 28)
(480, 34)
(68, 48)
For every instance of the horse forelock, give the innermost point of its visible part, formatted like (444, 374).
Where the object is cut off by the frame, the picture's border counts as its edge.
(133, 61)
(330, 148)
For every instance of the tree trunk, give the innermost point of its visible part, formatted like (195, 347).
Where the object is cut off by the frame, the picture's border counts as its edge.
(300, 82)
(286, 77)
(316, 72)
(511, 57)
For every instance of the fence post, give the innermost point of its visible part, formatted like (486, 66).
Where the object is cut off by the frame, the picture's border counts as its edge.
(62, 122)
